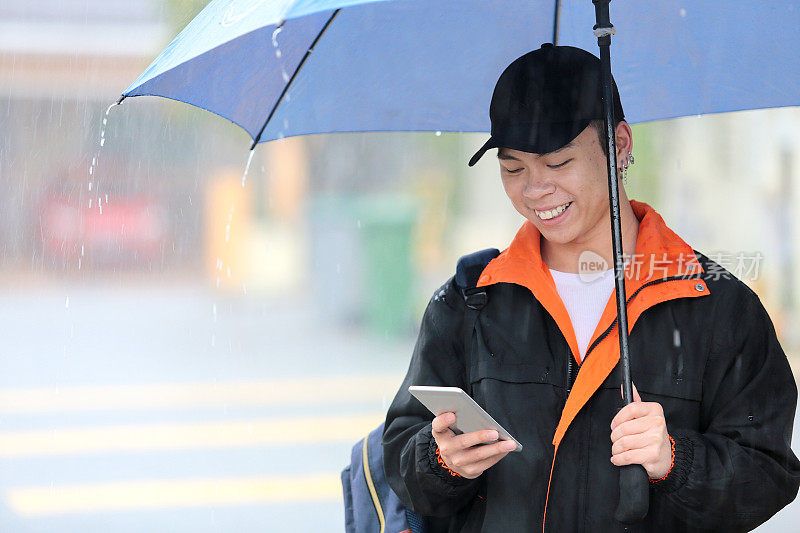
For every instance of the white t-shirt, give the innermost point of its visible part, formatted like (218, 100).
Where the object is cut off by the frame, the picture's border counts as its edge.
(585, 302)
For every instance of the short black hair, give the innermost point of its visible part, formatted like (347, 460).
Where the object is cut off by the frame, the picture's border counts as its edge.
(599, 126)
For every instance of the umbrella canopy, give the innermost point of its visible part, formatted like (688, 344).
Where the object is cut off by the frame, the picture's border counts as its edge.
(413, 65)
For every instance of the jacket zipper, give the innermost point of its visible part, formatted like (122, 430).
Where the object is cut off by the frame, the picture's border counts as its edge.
(614, 323)
(570, 366)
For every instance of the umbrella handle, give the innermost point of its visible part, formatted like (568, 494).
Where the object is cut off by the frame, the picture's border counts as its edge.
(634, 494)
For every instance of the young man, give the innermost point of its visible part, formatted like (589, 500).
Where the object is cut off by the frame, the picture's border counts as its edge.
(715, 399)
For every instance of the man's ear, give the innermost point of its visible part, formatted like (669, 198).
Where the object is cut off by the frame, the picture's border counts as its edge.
(624, 138)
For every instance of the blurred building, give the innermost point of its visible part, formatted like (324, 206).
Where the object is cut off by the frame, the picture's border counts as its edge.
(61, 64)
(69, 204)
(75, 49)
(730, 183)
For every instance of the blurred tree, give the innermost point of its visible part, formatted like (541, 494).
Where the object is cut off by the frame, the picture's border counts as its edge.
(178, 13)
(644, 177)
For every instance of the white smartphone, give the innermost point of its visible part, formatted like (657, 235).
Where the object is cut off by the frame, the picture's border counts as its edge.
(469, 415)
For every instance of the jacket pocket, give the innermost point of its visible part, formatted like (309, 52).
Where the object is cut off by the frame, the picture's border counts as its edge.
(663, 384)
(533, 372)
(669, 386)
(496, 357)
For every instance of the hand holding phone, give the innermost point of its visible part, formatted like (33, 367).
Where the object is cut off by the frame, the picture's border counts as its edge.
(466, 434)
(468, 454)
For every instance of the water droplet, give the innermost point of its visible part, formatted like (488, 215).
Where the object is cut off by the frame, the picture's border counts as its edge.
(229, 271)
(284, 75)
(682, 12)
(81, 250)
(246, 170)
(278, 53)
(90, 203)
(438, 133)
(102, 142)
(275, 36)
(286, 123)
(90, 183)
(66, 303)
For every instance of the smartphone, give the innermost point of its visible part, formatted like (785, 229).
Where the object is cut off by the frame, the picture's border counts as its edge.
(469, 415)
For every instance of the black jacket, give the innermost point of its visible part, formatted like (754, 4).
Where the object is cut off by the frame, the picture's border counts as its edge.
(702, 346)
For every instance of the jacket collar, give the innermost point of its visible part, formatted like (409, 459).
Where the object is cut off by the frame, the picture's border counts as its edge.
(659, 256)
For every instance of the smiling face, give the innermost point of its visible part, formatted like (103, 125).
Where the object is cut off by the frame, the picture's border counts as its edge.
(575, 177)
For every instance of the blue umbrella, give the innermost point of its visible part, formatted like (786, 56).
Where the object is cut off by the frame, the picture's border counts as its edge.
(292, 67)
(431, 65)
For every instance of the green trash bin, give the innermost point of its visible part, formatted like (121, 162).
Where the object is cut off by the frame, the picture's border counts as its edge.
(386, 225)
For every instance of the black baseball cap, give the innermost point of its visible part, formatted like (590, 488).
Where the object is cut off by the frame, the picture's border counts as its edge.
(546, 98)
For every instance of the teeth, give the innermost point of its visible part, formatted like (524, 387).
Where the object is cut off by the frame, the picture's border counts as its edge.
(547, 215)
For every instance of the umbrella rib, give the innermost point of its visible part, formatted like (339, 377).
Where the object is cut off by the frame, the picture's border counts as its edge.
(286, 87)
(556, 16)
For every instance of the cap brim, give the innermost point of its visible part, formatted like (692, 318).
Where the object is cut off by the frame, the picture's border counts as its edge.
(491, 143)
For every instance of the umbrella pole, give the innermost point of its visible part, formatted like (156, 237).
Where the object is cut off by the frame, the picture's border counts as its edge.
(634, 495)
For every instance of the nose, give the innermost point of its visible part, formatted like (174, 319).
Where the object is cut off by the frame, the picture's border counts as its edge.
(539, 184)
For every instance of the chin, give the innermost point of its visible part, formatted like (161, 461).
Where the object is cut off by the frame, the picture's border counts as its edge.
(556, 236)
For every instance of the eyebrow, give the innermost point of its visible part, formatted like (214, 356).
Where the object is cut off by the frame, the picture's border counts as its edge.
(504, 156)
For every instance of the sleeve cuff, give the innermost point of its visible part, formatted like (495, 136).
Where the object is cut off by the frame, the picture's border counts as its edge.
(672, 461)
(440, 468)
(682, 457)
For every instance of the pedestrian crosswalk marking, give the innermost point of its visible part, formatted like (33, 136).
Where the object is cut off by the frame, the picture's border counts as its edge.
(161, 494)
(160, 396)
(182, 436)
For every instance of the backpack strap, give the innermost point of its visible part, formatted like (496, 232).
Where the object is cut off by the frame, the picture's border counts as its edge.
(468, 271)
(370, 502)
(470, 266)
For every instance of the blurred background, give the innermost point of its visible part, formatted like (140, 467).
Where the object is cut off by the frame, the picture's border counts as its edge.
(185, 353)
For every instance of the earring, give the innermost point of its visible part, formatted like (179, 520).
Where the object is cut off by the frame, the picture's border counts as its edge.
(628, 162)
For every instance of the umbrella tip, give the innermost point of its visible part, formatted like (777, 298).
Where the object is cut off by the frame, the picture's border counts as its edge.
(121, 98)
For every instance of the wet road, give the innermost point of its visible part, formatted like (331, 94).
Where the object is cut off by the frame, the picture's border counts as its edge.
(155, 408)
(180, 409)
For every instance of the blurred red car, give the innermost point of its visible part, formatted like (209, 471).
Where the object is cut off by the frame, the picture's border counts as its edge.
(109, 232)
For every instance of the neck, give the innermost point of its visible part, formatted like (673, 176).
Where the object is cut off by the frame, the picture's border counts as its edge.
(565, 257)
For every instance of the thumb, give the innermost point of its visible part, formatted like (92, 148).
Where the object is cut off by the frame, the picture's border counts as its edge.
(636, 397)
